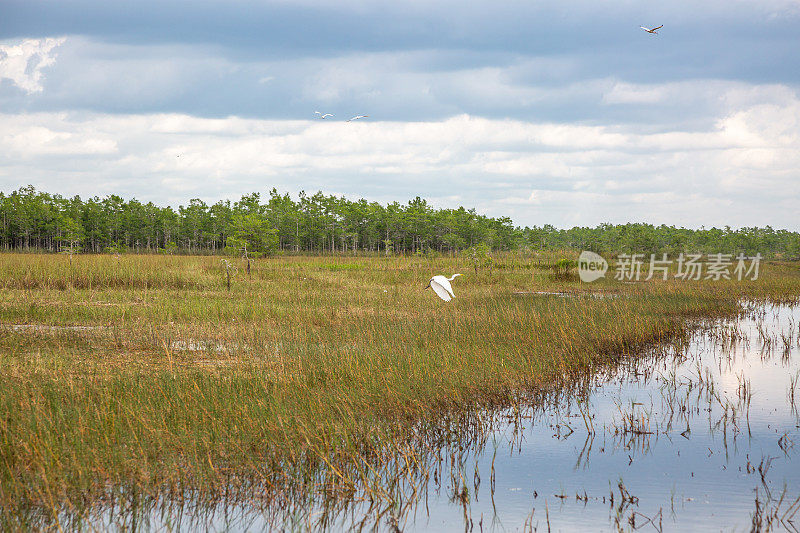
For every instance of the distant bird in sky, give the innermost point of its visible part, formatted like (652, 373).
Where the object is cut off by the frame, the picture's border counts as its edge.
(326, 115)
(357, 117)
(441, 286)
(652, 30)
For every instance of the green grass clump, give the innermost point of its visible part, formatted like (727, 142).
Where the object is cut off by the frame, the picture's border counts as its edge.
(143, 374)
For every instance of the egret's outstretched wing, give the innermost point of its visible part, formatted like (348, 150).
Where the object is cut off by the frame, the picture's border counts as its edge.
(446, 284)
(654, 29)
(443, 293)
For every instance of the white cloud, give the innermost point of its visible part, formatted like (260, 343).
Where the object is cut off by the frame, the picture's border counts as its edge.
(629, 93)
(34, 140)
(740, 170)
(22, 63)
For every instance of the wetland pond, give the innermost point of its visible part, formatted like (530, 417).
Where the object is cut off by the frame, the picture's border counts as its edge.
(705, 436)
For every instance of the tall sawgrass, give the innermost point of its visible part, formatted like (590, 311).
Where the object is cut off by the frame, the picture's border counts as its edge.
(63, 272)
(314, 367)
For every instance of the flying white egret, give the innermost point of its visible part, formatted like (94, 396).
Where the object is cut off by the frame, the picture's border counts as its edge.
(652, 30)
(357, 117)
(441, 286)
(326, 115)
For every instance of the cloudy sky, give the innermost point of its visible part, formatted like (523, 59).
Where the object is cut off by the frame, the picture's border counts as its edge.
(564, 113)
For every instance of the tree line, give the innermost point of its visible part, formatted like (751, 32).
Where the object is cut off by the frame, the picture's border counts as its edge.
(649, 239)
(320, 224)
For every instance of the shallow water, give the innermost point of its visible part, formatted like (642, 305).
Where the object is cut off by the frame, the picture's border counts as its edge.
(704, 437)
(702, 428)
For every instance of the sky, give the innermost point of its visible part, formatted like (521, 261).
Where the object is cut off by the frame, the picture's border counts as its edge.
(563, 113)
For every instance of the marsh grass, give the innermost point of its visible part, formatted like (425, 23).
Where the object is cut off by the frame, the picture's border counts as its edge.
(311, 372)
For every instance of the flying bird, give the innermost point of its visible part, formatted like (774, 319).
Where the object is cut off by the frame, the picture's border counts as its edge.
(326, 115)
(441, 286)
(652, 30)
(357, 117)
